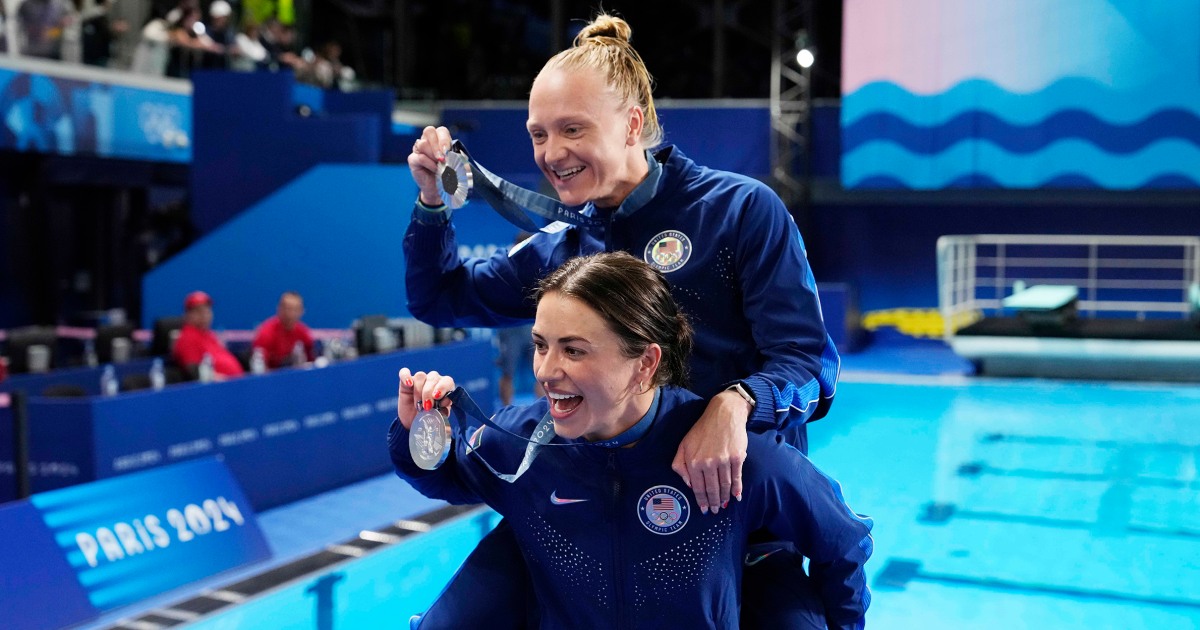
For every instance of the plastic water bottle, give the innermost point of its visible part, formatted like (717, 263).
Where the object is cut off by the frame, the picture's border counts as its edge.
(299, 356)
(258, 362)
(108, 382)
(158, 378)
(206, 372)
(89, 353)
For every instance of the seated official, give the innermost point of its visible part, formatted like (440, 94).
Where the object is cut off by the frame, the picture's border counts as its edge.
(279, 334)
(197, 339)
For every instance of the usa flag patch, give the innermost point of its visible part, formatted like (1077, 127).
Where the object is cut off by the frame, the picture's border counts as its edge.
(663, 510)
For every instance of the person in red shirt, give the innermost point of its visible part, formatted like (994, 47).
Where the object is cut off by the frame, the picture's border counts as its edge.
(278, 335)
(196, 339)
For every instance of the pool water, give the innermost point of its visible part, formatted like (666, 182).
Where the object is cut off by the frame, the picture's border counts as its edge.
(997, 504)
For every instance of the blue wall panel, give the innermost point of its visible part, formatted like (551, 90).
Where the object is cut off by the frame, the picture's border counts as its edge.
(334, 235)
(250, 140)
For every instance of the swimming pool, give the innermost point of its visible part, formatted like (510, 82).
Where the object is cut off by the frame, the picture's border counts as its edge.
(380, 590)
(997, 504)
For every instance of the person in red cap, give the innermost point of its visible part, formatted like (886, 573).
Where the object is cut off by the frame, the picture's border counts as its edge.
(196, 339)
(279, 334)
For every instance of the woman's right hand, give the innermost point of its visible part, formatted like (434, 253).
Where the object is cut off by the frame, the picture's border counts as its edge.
(428, 151)
(422, 390)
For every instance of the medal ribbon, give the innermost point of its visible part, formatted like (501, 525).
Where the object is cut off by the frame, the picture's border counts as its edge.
(544, 432)
(511, 201)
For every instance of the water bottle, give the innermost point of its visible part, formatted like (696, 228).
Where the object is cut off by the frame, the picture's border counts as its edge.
(299, 356)
(158, 379)
(89, 353)
(336, 348)
(108, 382)
(206, 373)
(258, 362)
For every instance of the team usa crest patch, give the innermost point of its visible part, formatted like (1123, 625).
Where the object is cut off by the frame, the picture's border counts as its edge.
(668, 251)
(663, 510)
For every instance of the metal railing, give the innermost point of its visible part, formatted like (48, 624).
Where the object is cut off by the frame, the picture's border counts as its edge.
(1117, 276)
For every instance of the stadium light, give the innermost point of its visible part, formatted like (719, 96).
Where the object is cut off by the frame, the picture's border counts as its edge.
(805, 58)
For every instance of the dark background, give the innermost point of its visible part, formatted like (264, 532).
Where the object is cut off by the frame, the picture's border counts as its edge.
(461, 49)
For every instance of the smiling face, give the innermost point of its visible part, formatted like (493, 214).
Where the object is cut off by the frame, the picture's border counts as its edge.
(594, 388)
(586, 140)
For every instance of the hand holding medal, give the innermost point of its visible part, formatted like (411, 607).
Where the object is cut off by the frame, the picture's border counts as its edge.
(443, 176)
(447, 174)
(422, 410)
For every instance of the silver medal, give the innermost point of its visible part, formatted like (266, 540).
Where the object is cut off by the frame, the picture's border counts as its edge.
(429, 439)
(454, 179)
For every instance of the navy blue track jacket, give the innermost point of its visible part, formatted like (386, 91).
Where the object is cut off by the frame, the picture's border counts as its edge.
(612, 538)
(729, 248)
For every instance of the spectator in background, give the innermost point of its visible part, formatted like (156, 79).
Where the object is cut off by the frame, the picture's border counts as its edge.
(153, 48)
(100, 29)
(169, 44)
(279, 40)
(42, 23)
(279, 335)
(196, 339)
(131, 15)
(326, 69)
(250, 54)
(219, 28)
(188, 41)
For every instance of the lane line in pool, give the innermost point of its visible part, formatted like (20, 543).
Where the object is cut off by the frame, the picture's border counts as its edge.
(898, 573)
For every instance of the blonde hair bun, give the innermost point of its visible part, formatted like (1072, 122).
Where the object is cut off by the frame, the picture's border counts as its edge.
(605, 25)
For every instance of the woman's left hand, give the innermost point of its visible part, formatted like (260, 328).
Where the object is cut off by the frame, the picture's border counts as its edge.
(711, 455)
(422, 390)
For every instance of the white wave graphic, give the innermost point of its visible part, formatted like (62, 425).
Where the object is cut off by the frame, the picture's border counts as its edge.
(1066, 157)
(1107, 104)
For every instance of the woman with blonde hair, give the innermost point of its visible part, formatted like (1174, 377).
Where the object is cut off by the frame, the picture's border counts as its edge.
(726, 243)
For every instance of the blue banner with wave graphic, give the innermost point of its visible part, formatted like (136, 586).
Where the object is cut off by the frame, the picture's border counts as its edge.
(1098, 94)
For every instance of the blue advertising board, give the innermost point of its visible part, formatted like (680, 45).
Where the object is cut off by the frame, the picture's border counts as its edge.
(73, 110)
(285, 435)
(102, 545)
(38, 589)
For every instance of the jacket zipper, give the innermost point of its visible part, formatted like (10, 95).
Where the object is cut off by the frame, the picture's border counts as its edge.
(618, 565)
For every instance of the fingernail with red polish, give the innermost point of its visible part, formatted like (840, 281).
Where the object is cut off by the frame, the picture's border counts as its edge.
(428, 405)
(725, 505)
(408, 382)
(738, 496)
(437, 394)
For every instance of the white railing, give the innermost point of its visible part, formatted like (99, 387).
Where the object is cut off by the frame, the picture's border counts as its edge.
(1119, 276)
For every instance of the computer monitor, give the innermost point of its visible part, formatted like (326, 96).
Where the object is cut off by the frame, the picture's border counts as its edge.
(373, 334)
(164, 328)
(32, 349)
(449, 335)
(114, 343)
